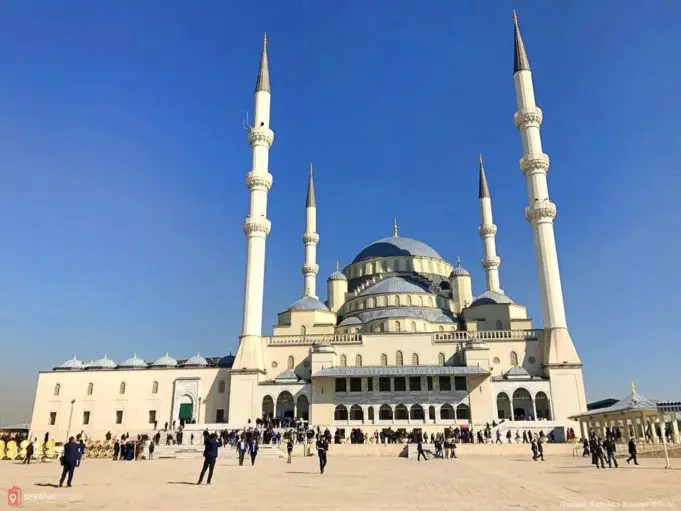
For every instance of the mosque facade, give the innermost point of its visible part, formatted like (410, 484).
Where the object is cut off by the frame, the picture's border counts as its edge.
(400, 342)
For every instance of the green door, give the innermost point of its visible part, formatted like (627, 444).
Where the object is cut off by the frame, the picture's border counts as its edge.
(186, 412)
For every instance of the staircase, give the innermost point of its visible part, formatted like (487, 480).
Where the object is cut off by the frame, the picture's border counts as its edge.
(266, 451)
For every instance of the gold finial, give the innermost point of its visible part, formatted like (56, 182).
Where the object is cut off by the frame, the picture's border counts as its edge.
(633, 386)
(337, 266)
(515, 17)
(395, 227)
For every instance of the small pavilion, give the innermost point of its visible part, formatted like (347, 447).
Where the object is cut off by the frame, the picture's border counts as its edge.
(635, 415)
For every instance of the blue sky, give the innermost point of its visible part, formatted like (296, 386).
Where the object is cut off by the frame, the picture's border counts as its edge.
(123, 159)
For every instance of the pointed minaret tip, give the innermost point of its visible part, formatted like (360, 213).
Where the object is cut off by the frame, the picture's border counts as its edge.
(395, 228)
(310, 202)
(483, 190)
(520, 60)
(263, 83)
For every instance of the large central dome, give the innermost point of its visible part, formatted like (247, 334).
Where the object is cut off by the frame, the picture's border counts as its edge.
(396, 246)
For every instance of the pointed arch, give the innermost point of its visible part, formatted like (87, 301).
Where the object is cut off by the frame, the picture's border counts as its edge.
(343, 361)
(408, 300)
(514, 359)
(121, 388)
(90, 388)
(290, 363)
(154, 387)
(358, 360)
(441, 359)
(398, 326)
(414, 359)
(384, 359)
(57, 389)
(399, 360)
(413, 326)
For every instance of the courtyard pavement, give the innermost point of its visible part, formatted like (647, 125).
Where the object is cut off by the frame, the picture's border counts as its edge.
(476, 483)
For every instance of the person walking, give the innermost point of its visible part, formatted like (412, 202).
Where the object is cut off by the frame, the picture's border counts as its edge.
(540, 448)
(29, 453)
(322, 450)
(81, 452)
(535, 450)
(632, 451)
(253, 448)
(69, 460)
(498, 437)
(289, 448)
(210, 454)
(419, 448)
(242, 447)
(611, 450)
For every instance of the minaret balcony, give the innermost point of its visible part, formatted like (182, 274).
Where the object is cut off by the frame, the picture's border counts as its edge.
(532, 163)
(259, 181)
(257, 226)
(528, 118)
(310, 238)
(260, 136)
(487, 230)
(310, 269)
(541, 211)
(491, 263)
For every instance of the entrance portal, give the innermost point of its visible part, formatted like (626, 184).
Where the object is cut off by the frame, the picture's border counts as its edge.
(186, 410)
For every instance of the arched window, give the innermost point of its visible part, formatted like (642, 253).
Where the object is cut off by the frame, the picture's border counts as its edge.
(343, 361)
(413, 326)
(500, 326)
(398, 327)
(358, 360)
(398, 358)
(90, 388)
(57, 389)
(409, 300)
(441, 359)
(397, 301)
(421, 301)
(379, 266)
(371, 303)
(290, 363)
(414, 359)
(514, 359)
(121, 388)
(340, 413)
(441, 329)
(154, 388)
(303, 330)
(384, 359)
(221, 386)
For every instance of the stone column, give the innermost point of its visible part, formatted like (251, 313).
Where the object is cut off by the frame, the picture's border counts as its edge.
(675, 428)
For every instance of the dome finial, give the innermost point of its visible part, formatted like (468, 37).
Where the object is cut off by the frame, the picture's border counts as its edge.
(633, 386)
(337, 265)
(458, 261)
(395, 227)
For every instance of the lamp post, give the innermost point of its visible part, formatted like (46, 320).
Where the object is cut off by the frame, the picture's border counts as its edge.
(68, 429)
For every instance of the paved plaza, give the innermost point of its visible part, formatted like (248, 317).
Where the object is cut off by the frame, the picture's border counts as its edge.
(476, 483)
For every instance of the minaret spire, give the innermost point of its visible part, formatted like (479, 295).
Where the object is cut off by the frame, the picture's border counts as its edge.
(395, 228)
(310, 240)
(560, 359)
(520, 60)
(263, 83)
(488, 231)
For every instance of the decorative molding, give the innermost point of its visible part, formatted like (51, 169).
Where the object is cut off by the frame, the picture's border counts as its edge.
(487, 230)
(257, 226)
(491, 263)
(486, 335)
(260, 136)
(310, 238)
(309, 340)
(534, 163)
(310, 269)
(541, 211)
(259, 181)
(528, 118)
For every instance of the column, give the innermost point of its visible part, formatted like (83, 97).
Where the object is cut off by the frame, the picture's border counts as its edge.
(675, 429)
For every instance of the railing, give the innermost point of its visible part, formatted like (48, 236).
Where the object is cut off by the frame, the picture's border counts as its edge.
(309, 340)
(485, 335)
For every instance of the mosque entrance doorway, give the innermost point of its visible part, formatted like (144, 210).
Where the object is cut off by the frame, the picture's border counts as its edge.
(186, 412)
(285, 406)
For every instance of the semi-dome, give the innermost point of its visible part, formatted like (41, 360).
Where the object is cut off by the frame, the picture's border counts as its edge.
(393, 285)
(352, 320)
(429, 314)
(72, 364)
(308, 303)
(396, 246)
(165, 361)
(134, 363)
(490, 298)
(103, 363)
(196, 361)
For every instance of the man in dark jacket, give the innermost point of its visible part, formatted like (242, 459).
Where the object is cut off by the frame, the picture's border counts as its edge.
(632, 451)
(210, 454)
(419, 449)
(69, 459)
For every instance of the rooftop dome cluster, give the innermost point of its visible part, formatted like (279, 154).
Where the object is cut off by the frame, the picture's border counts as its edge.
(135, 362)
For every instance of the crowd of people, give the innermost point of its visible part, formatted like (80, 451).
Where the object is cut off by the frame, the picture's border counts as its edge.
(604, 450)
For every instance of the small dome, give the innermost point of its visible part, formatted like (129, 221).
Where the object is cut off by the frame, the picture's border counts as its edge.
(393, 285)
(227, 361)
(396, 246)
(308, 303)
(102, 363)
(196, 361)
(337, 275)
(352, 320)
(491, 297)
(134, 363)
(71, 365)
(165, 361)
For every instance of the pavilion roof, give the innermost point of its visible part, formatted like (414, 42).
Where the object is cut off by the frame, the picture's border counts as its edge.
(634, 402)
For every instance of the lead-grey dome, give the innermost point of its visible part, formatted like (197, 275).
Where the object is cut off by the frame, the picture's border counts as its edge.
(308, 303)
(337, 275)
(165, 361)
(394, 285)
(134, 363)
(395, 246)
(196, 361)
(71, 365)
(491, 297)
(103, 363)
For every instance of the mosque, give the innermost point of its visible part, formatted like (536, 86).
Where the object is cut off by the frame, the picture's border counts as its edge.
(400, 342)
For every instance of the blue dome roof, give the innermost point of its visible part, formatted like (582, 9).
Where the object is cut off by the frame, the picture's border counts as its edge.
(393, 285)
(308, 303)
(491, 297)
(393, 246)
(227, 361)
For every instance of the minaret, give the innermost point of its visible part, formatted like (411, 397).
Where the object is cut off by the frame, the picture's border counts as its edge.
(249, 357)
(488, 231)
(561, 362)
(311, 240)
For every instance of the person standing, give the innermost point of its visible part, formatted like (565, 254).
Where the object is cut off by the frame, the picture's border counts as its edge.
(210, 454)
(69, 460)
(322, 449)
(152, 446)
(242, 447)
(253, 448)
(535, 450)
(116, 450)
(29, 453)
(611, 450)
(289, 448)
(540, 448)
(419, 448)
(81, 452)
(509, 436)
(632, 451)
